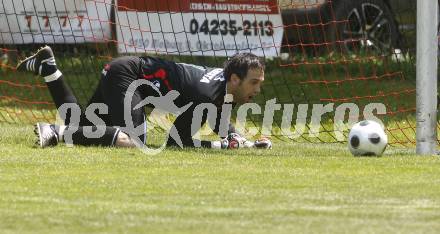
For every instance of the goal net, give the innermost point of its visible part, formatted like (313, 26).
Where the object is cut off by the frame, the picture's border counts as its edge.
(329, 63)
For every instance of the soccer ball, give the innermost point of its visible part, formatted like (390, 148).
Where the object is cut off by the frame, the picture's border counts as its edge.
(367, 138)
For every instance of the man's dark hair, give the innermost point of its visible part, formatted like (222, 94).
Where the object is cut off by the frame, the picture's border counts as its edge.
(240, 64)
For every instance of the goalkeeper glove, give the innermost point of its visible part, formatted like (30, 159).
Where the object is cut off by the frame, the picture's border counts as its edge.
(232, 141)
(235, 141)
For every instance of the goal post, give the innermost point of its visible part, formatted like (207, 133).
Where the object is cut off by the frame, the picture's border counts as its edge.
(426, 85)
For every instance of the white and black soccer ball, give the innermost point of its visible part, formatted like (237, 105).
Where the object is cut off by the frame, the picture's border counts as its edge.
(367, 138)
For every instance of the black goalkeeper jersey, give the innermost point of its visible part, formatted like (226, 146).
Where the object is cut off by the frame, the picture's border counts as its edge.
(196, 84)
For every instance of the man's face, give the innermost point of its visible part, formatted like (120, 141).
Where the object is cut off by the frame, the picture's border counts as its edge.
(249, 87)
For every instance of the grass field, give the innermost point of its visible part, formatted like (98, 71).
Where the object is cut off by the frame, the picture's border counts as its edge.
(293, 188)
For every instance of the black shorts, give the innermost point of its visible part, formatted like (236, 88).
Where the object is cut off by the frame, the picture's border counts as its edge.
(116, 77)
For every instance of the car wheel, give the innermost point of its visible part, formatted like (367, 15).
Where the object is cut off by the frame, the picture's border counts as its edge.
(364, 26)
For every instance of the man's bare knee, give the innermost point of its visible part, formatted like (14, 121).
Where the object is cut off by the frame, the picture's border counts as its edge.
(123, 140)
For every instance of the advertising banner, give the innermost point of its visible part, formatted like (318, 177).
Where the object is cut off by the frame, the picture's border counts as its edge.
(199, 27)
(54, 21)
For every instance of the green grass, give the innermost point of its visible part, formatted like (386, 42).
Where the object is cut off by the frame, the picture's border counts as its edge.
(293, 188)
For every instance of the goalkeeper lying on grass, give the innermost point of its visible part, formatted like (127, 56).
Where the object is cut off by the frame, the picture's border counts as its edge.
(181, 88)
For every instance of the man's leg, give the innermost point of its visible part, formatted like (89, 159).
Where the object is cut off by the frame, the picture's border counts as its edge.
(111, 91)
(51, 134)
(43, 63)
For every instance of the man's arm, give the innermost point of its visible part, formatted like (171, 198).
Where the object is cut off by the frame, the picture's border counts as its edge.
(182, 134)
(221, 122)
(183, 131)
